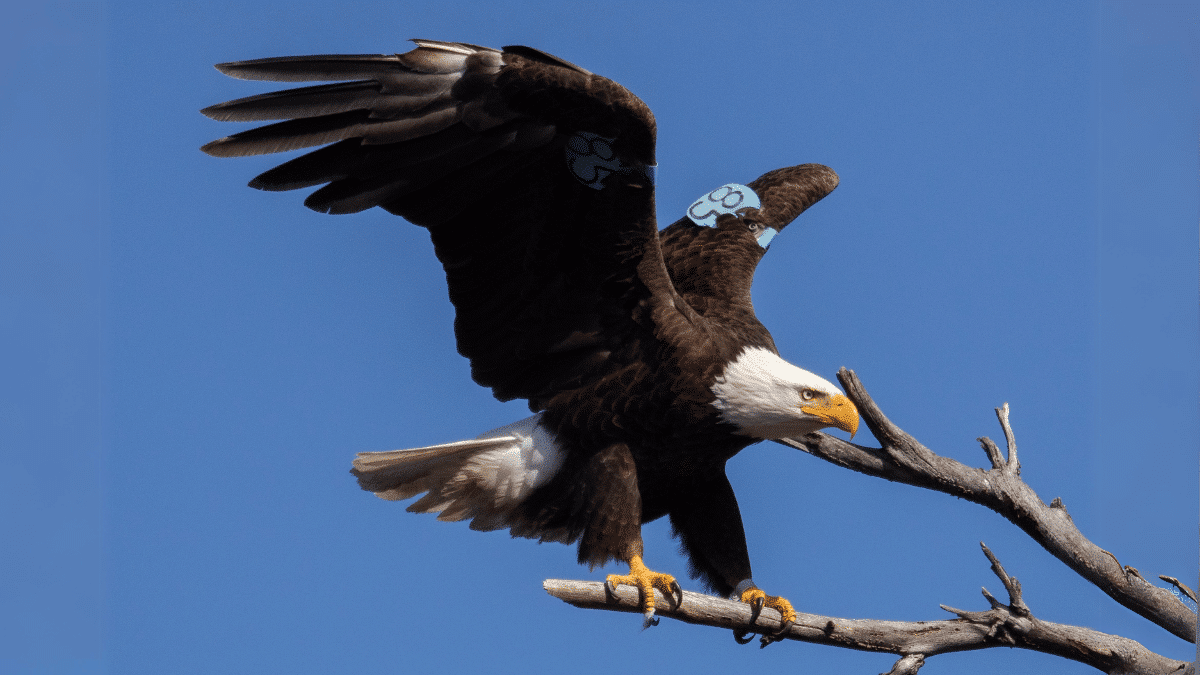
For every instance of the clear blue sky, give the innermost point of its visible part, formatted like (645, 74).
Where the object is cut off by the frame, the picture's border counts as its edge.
(190, 365)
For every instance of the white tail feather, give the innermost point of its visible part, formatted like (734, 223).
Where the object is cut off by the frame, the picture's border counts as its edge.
(482, 479)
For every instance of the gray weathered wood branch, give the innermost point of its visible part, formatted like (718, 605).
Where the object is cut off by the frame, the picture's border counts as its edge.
(1004, 625)
(904, 460)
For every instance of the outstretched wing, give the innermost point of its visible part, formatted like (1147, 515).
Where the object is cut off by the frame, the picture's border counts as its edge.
(712, 267)
(533, 176)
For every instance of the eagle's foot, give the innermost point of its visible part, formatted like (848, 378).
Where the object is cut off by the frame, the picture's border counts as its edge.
(646, 581)
(757, 599)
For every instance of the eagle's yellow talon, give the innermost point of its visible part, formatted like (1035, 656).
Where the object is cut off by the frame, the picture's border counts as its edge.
(646, 581)
(757, 599)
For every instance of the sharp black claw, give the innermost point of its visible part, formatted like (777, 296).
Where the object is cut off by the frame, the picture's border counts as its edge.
(676, 590)
(648, 621)
(776, 636)
(610, 588)
(744, 637)
(756, 606)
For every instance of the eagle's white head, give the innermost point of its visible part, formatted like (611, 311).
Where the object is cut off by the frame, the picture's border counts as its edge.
(769, 398)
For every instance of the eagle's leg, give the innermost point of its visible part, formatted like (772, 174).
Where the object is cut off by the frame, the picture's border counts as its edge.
(613, 504)
(710, 527)
(646, 581)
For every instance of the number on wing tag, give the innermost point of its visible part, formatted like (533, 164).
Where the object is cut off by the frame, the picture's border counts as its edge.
(591, 159)
(729, 198)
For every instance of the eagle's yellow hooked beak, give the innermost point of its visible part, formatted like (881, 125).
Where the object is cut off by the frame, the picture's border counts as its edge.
(835, 411)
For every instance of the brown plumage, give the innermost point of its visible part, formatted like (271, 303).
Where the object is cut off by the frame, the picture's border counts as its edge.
(631, 343)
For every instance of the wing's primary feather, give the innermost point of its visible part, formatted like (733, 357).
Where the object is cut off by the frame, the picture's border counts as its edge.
(786, 193)
(549, 276)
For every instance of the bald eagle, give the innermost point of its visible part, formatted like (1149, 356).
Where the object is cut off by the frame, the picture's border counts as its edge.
(637, 349)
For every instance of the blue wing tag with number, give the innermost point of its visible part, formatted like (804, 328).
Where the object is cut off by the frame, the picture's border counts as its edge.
(729, 198)
(591, 159)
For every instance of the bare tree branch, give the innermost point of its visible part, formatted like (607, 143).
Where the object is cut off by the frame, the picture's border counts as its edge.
(904, 460)
(1004, 625)
(1002, 415)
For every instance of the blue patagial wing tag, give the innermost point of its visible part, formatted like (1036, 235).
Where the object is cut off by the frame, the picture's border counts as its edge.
(729, 198)
(768, 233)
(591, 159)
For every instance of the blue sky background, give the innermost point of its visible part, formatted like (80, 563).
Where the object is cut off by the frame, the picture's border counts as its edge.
(190, 365)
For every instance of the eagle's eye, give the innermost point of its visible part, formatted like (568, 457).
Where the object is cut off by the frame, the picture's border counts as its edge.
(754, 227)
(808, 394)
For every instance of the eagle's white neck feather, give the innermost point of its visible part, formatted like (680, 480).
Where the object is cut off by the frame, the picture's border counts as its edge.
(759, 393)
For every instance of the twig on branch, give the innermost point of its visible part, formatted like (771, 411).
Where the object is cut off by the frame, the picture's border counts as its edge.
(1010, 584)
(1002, 415)
(1009, 624)
(1180, 585)
(907, 665)
(904, 460)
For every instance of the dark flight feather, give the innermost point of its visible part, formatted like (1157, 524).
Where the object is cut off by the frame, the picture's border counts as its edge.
(323, 99)
(327, 68)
